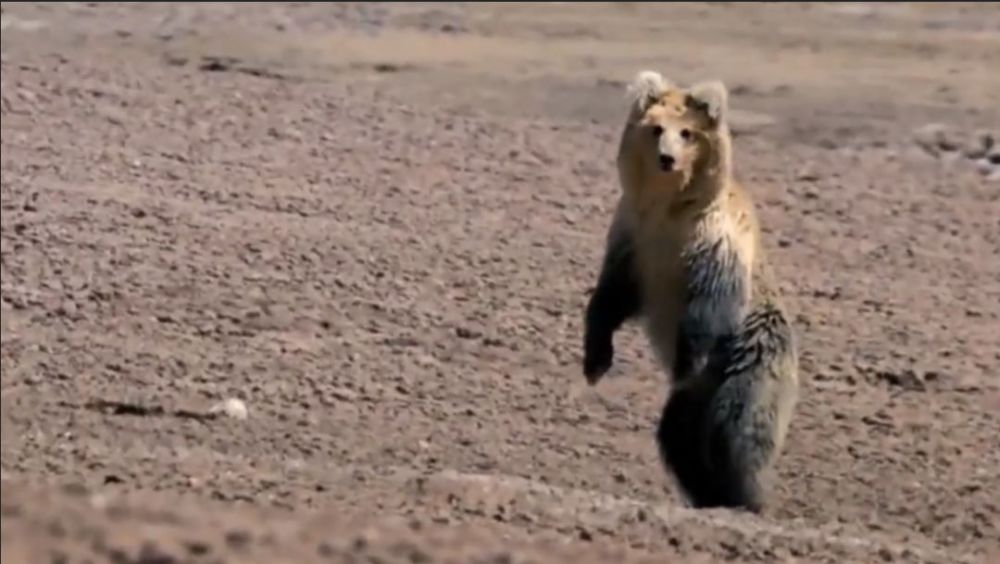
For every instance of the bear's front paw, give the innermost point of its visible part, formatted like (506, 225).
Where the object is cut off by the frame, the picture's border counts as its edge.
(597, 361)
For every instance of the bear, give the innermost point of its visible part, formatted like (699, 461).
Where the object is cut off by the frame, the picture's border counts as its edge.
(684, 253)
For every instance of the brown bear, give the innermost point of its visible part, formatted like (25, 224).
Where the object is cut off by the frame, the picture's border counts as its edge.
(684, 253)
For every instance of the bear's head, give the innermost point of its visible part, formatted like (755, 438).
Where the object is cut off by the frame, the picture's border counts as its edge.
(676, 135)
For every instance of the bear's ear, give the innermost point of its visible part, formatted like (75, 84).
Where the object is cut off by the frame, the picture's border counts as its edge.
(711, 98)
(646, 88)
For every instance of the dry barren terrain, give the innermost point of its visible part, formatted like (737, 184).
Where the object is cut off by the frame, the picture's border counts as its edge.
(377, 224)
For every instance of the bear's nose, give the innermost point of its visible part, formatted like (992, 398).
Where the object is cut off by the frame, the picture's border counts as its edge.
(666, 162)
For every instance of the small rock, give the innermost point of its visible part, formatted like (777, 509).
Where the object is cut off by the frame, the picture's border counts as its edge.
(425, 360)
(99, 502)
(934, 138)
(986, 139)
(197, 548)
(237, 538)
(152, 554)
(31, 203)
(27, 95)
(343, 394)
(828, 144)
(980, 146)
(325, 550)
(466, 333)
(218, 64)
(906, 379)
(231, 407)
(67, 309)
(741, 90)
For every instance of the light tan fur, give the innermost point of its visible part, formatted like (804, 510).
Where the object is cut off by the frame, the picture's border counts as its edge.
(705, 285)
(665, 211)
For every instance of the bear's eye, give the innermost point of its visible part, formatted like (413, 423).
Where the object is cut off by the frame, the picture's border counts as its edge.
(657, 131)
(686, 134)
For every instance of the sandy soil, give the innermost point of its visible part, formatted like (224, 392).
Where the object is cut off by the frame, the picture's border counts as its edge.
(377, 226)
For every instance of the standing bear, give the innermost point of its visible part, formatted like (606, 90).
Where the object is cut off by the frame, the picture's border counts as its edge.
(684, 253)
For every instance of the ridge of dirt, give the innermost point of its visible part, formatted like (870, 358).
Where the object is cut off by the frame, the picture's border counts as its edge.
(69, 521)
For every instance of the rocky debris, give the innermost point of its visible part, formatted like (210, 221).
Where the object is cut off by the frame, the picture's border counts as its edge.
(979, 148)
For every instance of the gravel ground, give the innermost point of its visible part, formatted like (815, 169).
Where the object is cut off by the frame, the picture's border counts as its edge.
(376, 226)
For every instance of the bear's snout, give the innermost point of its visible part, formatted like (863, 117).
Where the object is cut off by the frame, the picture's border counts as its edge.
(666, 163)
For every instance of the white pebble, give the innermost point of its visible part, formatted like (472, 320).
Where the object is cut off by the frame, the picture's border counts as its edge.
(984, 166)
(231, 407)
(99, 502)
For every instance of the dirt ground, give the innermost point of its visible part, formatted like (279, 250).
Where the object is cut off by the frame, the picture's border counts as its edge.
(377, 225)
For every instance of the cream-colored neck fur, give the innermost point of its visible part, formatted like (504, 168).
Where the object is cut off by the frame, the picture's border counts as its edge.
(666, 220)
